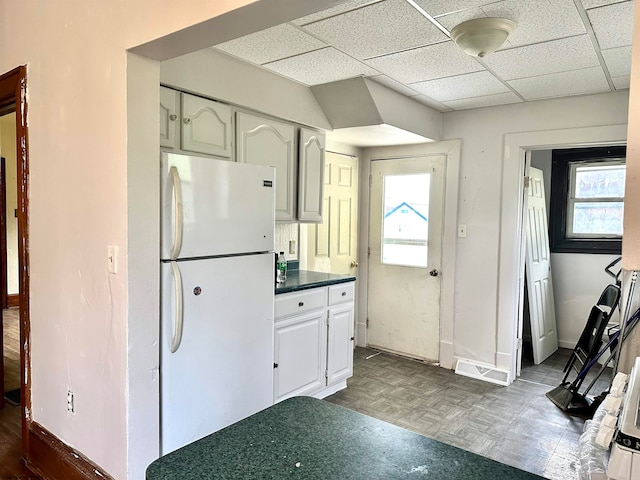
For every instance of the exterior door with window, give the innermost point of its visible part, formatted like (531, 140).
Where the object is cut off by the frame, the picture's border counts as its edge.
(406, 217)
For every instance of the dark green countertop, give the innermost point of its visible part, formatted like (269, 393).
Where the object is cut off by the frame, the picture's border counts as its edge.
(305, 279)
(305, 438)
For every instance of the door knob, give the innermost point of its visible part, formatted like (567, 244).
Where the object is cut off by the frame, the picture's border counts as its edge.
(434, 273)
(354, 264)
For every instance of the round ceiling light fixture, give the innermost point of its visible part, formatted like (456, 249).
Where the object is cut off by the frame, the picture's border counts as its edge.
(482, 36)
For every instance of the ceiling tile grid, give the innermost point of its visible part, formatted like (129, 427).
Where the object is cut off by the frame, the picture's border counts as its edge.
(272, 44)
(425, 63)
(320, 66)
(461, 86)
(551, 53)
(486, 101)
(617, 61)
(542, 58)
(385, 27)
(613, 24)
(562, 84)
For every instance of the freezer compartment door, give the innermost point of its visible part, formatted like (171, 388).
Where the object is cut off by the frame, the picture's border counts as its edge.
(222, 370)
(215, 207)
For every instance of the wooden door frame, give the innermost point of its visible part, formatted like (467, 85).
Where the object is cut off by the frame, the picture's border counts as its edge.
(4, 302)
(13, 98)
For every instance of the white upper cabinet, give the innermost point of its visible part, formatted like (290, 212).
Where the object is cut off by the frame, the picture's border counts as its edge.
(311, 176)
(206, 126)
(264, 141)
(169, 115)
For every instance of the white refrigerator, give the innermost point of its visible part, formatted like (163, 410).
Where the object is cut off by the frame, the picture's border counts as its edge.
(217, 280)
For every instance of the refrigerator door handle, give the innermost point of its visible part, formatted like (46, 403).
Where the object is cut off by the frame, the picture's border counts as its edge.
(178, 317)
(177, 207)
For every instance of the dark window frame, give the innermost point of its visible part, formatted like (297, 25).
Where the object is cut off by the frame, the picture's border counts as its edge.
(561, 161)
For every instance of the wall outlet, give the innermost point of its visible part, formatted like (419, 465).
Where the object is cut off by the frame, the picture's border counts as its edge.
(292, 247)
(71, 403)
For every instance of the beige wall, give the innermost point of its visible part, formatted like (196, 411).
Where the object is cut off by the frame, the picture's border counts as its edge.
(631, 238)
(8, 151)
(76, 60)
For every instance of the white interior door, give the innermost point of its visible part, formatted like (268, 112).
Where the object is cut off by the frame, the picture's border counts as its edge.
(544, 334)
(405, 254)
(332, 245)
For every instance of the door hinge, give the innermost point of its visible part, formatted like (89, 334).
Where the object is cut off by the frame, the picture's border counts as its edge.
(326, 374)
(520, 343)
(527, 181)
(367, 322)
(327, 317)
(370, 179)
(368, 252)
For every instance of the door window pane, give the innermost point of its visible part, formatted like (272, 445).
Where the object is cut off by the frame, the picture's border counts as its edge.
(405, 227)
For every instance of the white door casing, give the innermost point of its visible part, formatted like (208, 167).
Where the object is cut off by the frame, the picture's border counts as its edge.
(544, 334)
(404, 301)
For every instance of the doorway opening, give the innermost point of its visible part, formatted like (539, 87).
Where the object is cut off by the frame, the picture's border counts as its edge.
(13, 113)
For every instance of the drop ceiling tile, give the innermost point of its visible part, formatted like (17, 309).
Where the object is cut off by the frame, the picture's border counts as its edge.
(330, 12)
(576, 82)
(431, 103)
(377, 29)
(442, 7)
(622, 82)
(486, 101)
(271, 44)
(394, 85)
(320, 66)
(426, 63)
(538, 20)
(618, 61)
(620, 16)
(598, 3)
(461, 86)
(550, 57)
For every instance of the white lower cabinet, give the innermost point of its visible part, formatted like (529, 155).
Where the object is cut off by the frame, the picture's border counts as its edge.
(313, 341)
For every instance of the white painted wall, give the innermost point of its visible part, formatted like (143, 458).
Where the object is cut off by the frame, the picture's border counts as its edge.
(8, 151)
(578, 279)
(480, 205)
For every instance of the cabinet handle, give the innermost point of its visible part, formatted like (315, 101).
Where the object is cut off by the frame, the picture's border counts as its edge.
(301, 304)
(275, 365)
(173, 117)
(344, 294)
(187, 121)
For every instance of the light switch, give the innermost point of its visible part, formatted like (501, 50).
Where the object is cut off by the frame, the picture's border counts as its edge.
(462, 231)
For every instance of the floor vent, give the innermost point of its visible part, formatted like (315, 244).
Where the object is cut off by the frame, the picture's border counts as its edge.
(469, 368)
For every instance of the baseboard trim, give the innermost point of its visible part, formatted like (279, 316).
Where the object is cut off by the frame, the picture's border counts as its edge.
(13, 300)
(52, 459)
(567, 344)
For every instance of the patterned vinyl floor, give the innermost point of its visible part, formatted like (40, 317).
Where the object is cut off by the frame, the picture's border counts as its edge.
(516, 425)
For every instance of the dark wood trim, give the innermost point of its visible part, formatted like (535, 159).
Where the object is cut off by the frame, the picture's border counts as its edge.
(53, 459)
(13, 97)
(13, 300)
(560, 163)
(3, 233)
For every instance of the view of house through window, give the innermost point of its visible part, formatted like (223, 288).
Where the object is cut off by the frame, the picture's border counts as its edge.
(596, 201)
(405, 229)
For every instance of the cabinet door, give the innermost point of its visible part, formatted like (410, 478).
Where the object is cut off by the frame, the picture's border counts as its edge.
(300, 355)
(263, 141)
(340, 343)
(311, 177)
(169, 112)
(206, 126)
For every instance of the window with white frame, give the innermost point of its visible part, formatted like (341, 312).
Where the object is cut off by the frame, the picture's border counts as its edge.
(587, 200)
